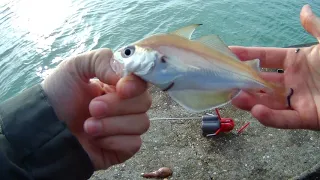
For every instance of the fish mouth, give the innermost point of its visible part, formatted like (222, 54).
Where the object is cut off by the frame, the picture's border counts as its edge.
(169, 87)
(117, 67)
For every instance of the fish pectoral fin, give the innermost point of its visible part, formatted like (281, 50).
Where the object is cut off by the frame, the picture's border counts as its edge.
(197, 101)
(255, 64)
(214, 41)
(186, 31)
(165, 86)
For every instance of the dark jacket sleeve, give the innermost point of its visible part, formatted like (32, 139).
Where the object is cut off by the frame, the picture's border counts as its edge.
(34, 144)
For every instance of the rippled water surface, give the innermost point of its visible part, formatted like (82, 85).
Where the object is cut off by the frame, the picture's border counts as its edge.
(38, 34)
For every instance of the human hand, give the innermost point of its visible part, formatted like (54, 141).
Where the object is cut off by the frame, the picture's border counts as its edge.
(106, 116)
(301, 72)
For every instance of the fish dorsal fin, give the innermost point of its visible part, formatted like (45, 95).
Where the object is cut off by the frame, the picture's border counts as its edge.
(186, 31)
(255, 64)
(214, 41)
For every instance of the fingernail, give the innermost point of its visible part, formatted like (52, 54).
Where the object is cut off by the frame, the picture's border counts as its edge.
(98, 109)
(93, 127)
(308, 10)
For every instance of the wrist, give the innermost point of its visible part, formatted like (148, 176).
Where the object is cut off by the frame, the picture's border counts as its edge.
(52, 101)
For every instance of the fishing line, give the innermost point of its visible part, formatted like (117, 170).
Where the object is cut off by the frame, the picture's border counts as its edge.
(188, 118)
(176, 118)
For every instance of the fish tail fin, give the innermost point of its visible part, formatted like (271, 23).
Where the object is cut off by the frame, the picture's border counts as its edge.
(279, 91)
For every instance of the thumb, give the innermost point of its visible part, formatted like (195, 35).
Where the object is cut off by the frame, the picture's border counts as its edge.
(310, 22)
(95, 63)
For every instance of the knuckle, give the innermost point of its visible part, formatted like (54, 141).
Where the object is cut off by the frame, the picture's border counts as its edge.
(137, 145)
(104, 52)
(145, 123)
(105, 126)
(147, 101)
(109, 128)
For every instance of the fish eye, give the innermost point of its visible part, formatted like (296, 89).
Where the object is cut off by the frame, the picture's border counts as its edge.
(128, 51)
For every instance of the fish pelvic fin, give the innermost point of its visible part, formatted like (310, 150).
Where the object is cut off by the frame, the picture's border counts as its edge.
(202, 100)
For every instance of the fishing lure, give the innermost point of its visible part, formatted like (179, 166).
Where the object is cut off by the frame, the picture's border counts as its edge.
(212, 124)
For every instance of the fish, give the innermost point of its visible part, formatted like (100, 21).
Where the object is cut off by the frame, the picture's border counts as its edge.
(199, 74)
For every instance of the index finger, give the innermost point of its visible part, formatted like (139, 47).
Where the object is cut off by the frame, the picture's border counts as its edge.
(131, 86)
(270, 57)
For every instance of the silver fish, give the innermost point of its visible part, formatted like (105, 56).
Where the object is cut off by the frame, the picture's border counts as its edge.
(198, 74)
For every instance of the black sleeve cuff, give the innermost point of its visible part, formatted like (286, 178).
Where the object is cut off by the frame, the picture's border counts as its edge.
(42, 144)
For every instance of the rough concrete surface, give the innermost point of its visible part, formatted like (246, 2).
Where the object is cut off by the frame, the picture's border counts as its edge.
(258, 153)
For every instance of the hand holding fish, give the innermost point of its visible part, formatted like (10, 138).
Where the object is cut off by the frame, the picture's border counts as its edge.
(301, 72)
(108, 115)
